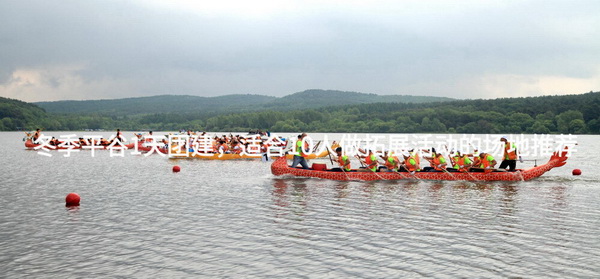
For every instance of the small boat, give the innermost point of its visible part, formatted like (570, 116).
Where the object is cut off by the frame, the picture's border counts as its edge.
(30, 145)
(280, 167)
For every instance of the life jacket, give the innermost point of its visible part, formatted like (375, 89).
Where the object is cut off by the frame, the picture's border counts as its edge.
(486, 161)
(371, 162)
(299, 148)
(236, 149)
(438, 160)
(411, 163)
(455, 160)
(415, 156)
(391, 163)
(342, 160)
(512, 154)
(463, 160)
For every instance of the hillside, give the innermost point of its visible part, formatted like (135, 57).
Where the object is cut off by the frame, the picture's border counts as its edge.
(575, 114)
(311, 99)
(18, 115)
(157, 104)
(225, 104)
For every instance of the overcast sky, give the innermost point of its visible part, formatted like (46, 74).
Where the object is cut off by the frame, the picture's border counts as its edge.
(104, 49)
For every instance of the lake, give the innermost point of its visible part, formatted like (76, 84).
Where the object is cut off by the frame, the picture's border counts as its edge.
(235, 219)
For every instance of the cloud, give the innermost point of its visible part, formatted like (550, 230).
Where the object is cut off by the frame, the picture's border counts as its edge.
(479, 49)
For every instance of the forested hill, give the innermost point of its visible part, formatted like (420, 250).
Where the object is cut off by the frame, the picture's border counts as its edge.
(158, 104)
(577, 114)
(308, 99)
(18, 115)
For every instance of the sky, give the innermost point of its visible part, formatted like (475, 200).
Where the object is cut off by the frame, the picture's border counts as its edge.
(107, 49)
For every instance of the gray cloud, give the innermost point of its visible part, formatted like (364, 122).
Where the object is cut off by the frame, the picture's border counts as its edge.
(52, 50)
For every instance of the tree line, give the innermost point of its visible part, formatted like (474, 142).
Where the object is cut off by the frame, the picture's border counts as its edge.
(575, 114)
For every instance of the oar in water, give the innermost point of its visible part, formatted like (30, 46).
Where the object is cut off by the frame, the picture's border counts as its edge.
(411, 174)
(467, 172)
(446, 171)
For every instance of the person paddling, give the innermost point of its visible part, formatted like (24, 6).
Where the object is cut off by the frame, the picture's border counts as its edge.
(510, 155)
(371, 161)
(462, 162)
(36, 135)
(410, 163)
(391, 161)
(437, 161)
(343, 160)
(486, 162)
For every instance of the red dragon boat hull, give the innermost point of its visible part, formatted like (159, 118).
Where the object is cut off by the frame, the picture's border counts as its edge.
(30, 145)
(280, 167)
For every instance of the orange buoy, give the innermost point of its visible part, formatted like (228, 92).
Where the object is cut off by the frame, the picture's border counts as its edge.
(72, 199)
(176, 169)
(576, 172)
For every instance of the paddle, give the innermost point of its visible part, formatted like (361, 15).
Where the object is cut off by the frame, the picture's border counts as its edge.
(316, 147)
(329, 154)
(342, 168)
(361, 162)
(409, 172)
(365, 164)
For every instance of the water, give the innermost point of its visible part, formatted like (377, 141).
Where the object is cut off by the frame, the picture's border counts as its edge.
(234, 219)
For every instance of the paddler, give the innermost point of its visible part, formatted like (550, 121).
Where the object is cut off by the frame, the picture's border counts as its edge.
(391, 161)
(371, 161)
(486, 161)
(36, 135)
(410, 163)
(436, 161)
(462, 162)
(510, 155)
(119, 136)
(343, 160)
(454, 156)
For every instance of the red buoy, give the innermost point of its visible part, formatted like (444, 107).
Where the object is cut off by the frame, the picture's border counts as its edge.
(176, 169)
(72, 199)
(576, 172)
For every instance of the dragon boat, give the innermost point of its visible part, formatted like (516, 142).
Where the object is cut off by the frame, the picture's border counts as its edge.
(29, 144)
(281, 167)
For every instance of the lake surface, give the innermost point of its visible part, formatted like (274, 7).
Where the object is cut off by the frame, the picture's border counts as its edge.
(235, 219)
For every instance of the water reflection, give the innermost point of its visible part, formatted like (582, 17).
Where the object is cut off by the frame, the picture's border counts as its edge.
(290, 195)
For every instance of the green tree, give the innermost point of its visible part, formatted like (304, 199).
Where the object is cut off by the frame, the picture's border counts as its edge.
(566, 124)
